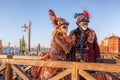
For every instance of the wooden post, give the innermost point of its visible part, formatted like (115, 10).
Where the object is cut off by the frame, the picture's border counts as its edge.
(29, 34)
(20, 51)
(36, 50)
(8, 73)
(38, 47)
(1, 46)
(74, 72)
(15, 50)
(26, 49)
(8, 48)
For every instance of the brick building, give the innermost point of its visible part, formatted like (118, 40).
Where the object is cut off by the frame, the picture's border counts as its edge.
(110, 44)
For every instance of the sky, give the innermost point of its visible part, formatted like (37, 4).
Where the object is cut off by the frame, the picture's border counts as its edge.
(104, 18)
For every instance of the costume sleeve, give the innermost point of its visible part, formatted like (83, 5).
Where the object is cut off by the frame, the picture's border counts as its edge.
(72, 36)
(96, 48)
(60, 40)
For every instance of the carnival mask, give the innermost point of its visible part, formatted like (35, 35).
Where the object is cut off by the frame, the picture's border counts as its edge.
(83, 25)
(64, 28)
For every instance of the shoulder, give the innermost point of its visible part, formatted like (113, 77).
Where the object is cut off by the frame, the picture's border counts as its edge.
(91, 31)
(57, 33)
(74, 32)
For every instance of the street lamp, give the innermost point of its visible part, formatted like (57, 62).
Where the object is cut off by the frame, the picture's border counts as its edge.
(24, 28)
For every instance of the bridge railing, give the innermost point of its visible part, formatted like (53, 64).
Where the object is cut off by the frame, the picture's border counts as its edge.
(12, 64)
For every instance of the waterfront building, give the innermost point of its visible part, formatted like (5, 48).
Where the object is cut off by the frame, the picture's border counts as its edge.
(110, 45)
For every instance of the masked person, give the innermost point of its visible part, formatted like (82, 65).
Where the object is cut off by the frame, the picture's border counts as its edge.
(85, 47)
(60, 46)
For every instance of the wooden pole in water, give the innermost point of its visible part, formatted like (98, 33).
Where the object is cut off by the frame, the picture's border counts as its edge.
(29, 35)
(36, 50)
(8, 48)
(1, 47)
(15, 50)
(20, 51)
(38, 47)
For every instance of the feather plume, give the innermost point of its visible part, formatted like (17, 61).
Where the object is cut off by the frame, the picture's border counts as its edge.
(86, 14)
(75, 15)
(53, 17)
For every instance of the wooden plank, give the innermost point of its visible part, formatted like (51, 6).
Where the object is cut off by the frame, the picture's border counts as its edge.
(114, 77)
(61, 74)
(27, 57)
(99, 67)
(5, 56)
(22, 74)
(74, 72)
(27, 68)
(58, 64)
(3, 60)
(2, 67)
(20, 57)
(86, 75)
(14, 77)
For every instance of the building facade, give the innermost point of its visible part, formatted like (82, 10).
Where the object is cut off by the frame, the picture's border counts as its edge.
(110, 44)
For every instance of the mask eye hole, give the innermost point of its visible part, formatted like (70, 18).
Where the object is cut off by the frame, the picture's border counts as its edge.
(85, 24)
(64, 27)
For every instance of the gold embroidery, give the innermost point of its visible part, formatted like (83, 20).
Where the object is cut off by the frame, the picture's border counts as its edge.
(91, 36)
(64, 34)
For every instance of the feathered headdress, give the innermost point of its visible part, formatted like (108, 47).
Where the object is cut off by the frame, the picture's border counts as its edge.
(82, 16)
(57, 21)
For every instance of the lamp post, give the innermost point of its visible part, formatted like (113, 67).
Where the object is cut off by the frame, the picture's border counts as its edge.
(24, 28)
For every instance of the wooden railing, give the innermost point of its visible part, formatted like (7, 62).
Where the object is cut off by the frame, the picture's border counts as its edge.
(12, 64)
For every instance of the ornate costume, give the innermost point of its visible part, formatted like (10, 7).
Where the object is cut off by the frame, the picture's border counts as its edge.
(86, 47)
(60, 44)
(60, 47)
(89, 49)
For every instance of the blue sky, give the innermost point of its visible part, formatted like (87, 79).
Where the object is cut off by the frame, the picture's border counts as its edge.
(105, 18)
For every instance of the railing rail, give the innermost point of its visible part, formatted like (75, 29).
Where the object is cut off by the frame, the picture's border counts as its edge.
(10, 63)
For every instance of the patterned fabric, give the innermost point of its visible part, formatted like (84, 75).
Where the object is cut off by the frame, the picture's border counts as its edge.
(92, 51)
(60, 46)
